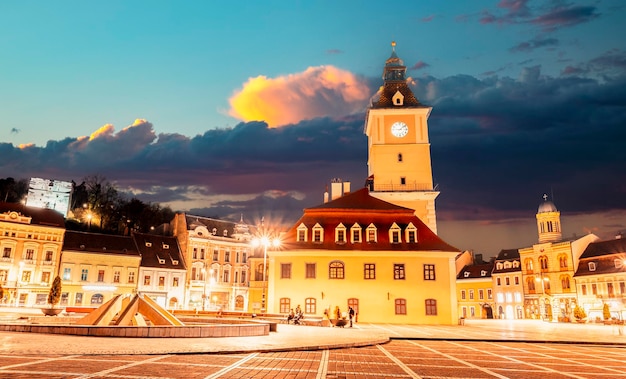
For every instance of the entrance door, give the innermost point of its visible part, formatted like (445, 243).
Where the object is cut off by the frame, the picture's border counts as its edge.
(354, 303)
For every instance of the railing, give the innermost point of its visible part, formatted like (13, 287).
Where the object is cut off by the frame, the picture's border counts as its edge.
(403, 187)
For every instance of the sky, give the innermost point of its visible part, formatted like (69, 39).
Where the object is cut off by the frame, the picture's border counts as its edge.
(231, 109)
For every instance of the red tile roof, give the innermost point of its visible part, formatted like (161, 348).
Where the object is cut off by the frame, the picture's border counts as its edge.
(360, 208)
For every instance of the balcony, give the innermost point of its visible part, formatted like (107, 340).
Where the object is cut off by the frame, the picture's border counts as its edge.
(6, 259)
(403, 187)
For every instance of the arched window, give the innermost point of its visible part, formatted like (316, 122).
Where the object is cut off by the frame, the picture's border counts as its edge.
(543, 263)
(565, 283)
(336, 270)
(531, 284)
(563, 262)
(528, 264)
(431, 307)
(173, 303)
(258, 273)
(97, 299)
(400, 306)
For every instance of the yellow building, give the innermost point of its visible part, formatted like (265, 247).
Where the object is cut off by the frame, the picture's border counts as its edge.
(216, 255)
(601, 279)
(374, 256)
(474, 291)
(30, 247)
(399, 165)
(96, 267)
(548, 268)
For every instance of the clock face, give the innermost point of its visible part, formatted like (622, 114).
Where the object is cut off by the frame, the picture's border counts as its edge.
(399, 129)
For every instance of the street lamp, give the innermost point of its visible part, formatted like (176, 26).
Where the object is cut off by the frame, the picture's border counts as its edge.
(265, 242)
(204, 295)
(543, 280)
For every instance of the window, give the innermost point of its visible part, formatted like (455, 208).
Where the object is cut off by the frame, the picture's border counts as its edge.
(410, 236)
(610, 290)
(101, 275)
(49, 255)
(6, 253)
(528, 263)
(336, 270)
(318, 237)
(517, 280)
(471, 294)
(175, 282)
(131, 277)
(310, 270)
(45, 277)
(507, 281)
(394, 233)
(356, 233)
(161, 281)
(371, 233)
(194, 254)
(583, 289)
(97, 299)
(622, 288)
(285, 270)
(310, 305)
(400, 306)
(3, 276)
(565, 283)
(594, 289)
(543, 263)
(481, 294)
(79, 299)
(64, 297)
(402, 180)
(498, 281)
(216, 255)
(563, 262)
(301, 237)
(146, 280)
(285, 305)
(398, 271)
(226, 276)
(84, 273)
(463, 295)
(67, 273)
(227, 256)
(592, 266)
(30, 254)
(531, 284)
(472, 312)
(340, 234)
(258, 273)
(237, 257)
(243, 277)
(429, 272)
(431, 307)
(399, 157)
(116, 276)
(369, 271)
(489, 293)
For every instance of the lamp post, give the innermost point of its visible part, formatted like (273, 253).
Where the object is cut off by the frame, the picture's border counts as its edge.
(543, 309)
(204, 292)
(265, 242)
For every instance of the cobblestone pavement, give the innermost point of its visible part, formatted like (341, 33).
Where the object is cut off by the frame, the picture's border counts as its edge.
(396, 359)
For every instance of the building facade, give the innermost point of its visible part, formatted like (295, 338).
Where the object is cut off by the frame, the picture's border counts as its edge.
(216, 254)
(30, 247)
(475, 291)
(361, 252)
(508, 288)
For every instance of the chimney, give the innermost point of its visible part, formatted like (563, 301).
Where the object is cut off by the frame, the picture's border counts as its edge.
(326, 195)
(346, 188)
(335, 189)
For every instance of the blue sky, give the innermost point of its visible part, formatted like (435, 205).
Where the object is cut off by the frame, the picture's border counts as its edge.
(228, 108)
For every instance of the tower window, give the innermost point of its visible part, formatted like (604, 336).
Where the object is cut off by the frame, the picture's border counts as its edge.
(403, 180)
(399, 157)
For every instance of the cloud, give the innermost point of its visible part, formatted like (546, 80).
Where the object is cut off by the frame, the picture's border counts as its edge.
(428, 18)
(498, 144)
(333, 51)
(419, 65)
(535, 44)
(565, 16)
(316, 92)
(610, 63)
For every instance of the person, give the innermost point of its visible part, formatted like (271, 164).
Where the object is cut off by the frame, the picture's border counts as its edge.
(291, 316)
(350, 314)
(298, 316)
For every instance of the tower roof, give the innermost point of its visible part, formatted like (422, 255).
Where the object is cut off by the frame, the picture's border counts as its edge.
(546, 206)
(395, 81)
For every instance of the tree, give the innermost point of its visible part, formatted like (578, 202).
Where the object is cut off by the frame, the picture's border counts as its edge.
(606, 313)
(54, 296)
(579, 313)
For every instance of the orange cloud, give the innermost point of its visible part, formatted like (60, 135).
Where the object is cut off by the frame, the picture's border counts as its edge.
(316, 92)
(105, 130)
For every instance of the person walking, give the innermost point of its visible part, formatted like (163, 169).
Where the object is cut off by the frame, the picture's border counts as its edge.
(350, 314)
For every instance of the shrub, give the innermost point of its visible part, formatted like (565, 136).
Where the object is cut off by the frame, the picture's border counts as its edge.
(605, 311)
(54, 296)
(579, 312)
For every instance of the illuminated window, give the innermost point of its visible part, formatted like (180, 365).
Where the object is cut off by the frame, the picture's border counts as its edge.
(340, 234)
(431, 307)
(84, 274)
(285, 270)
(336, 270)
(429, 272)
(285, 305)
(116, 277)
(131, 277)
(146, 280)
(67, 273)
(400, 306)
(369, 271)
(462, 294)
(302, 233)
(398, 271)
(311, 269)
(310, 305)
(101, 275)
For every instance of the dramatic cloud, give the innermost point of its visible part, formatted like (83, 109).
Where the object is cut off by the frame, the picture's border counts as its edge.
(498, 144)
(535, 44)
(564, 16)
(324, 91)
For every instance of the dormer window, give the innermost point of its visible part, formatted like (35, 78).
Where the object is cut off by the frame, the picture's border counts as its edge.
(483, 273)
(592, 266)
(371, 234)
(515, 264)
(161, 260)
(499, 265)
(340, 234)
(148, 244)
(214, 231)
(302, 233)
(398, 98)
(355, 233)
(394, 234)
(619, 263)
(507, 264)
(410, 234)
(466, 274)
(225, 233)
(318, 234)
(166, 246)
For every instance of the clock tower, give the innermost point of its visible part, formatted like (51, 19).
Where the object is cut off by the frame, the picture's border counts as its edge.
(396, 125)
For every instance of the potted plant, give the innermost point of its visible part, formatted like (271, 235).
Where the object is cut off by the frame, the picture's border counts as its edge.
(606, 313)
(580, 314)
(54, 296)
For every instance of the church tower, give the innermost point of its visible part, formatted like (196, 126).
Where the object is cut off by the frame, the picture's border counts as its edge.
(396, 126)
(548, 222)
